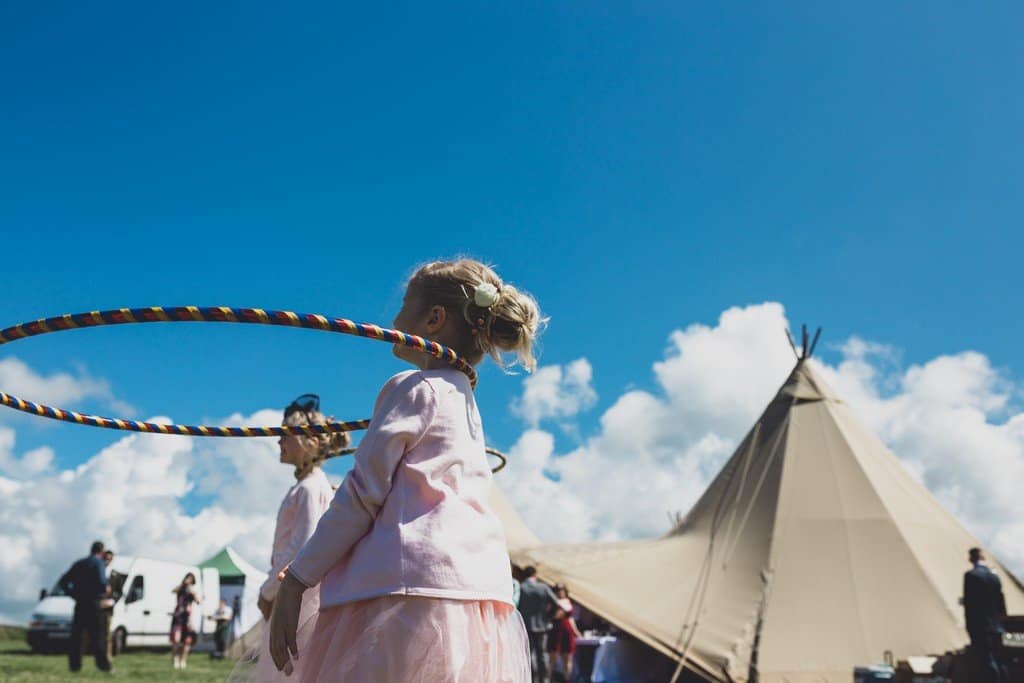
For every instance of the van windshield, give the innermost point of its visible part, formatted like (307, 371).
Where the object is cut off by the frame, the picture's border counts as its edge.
(57, 590)
(117, 583)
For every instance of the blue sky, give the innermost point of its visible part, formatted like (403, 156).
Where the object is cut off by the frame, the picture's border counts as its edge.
(638, 168)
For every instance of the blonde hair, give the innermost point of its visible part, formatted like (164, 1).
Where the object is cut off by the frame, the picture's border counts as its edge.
(511, 324)
(317, 446)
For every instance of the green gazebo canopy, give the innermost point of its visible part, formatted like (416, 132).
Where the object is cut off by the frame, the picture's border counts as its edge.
(224, 563)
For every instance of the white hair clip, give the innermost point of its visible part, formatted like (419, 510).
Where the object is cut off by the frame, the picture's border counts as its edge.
(485, 295)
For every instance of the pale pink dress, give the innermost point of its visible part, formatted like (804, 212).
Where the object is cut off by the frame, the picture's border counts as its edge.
(414, 574)
(302, 507)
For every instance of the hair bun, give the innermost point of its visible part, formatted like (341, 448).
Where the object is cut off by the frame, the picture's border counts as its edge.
(319, 446)
(498, 318)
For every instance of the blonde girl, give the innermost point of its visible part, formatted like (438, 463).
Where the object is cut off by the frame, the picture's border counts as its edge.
(303, 505)
(411, 561)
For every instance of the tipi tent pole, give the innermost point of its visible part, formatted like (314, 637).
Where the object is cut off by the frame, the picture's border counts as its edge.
(814, 344)
(792, 344)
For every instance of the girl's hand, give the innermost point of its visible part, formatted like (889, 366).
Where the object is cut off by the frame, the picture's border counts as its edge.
(284, 622)
(265, 607)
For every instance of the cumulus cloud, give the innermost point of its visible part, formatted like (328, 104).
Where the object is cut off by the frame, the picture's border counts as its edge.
(131, 495)
(715, 379)
(31, 464)
(556, 392)
(951, 421)
(59, 388)
(654, 452)
(242, 473)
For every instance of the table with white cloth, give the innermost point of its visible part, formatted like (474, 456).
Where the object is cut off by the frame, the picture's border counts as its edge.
(613, 662)
(625, 660)
(592, 659)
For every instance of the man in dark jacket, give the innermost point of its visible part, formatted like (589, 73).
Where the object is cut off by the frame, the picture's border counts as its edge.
(537, 602)
(984, 609)
(86, 583)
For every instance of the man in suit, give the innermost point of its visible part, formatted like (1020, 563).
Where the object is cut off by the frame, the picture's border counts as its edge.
(537, 602)
(984, 609)
(86, 583)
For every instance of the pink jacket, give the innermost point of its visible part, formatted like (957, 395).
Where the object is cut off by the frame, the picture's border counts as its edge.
(412, 518)
(300, 510)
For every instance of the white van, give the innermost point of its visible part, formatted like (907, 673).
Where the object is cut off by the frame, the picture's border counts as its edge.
(143, 589)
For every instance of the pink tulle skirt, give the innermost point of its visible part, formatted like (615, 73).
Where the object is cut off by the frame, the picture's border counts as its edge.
(257, 666)
(415, 639)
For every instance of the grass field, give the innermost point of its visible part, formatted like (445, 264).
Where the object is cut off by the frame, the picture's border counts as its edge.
(19, 665)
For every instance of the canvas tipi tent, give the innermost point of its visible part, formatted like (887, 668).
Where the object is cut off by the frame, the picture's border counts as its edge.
(811, 552)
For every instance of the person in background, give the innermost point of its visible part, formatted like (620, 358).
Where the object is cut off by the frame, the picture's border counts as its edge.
(107, 602)
(108, 558)
(86, 583)
(222, 618)
(984, 609)
(516, 589)
(562, 640)
(537, 602)
(302, 507)
(182, 635)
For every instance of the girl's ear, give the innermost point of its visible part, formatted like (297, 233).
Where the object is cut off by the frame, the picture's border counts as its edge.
(436, 318)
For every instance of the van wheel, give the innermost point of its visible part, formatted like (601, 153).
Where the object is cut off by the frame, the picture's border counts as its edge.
(118, 640)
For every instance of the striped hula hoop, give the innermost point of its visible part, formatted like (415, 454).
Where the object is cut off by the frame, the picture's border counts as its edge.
(213, 314)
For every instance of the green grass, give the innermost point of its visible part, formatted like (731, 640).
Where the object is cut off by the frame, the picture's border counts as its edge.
(19, 665)
(11, 633)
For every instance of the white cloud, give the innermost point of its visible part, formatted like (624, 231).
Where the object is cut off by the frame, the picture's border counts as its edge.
(950, 421)
(717, 378)
(130, 495)
(243, 473)
(59, 389)
(557, 392)
(549, 510)
(654, 453)
(33, 463)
